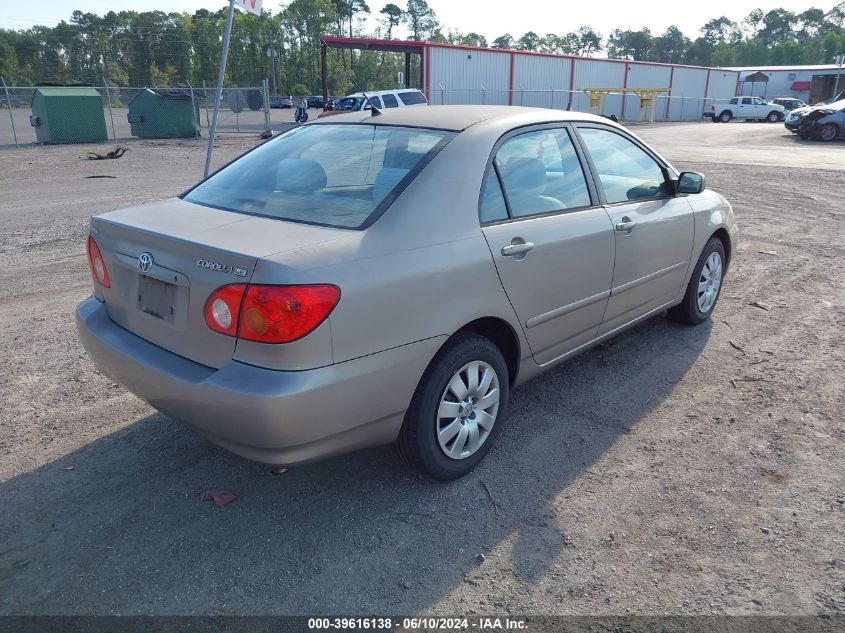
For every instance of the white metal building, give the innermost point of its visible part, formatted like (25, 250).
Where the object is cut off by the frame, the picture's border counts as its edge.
(808, 83)
(465, 74)
(462, 74)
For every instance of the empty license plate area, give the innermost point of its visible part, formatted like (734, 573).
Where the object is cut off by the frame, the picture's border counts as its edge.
(159, 299)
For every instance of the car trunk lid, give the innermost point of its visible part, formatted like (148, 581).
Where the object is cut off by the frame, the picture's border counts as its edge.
(166, 258)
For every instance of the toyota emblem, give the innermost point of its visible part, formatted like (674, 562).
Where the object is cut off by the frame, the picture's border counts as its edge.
(145, 262)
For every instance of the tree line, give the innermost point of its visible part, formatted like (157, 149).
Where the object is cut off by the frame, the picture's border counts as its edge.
(129, 48)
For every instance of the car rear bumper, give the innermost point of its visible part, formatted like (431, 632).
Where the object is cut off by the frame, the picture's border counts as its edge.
(277, 417)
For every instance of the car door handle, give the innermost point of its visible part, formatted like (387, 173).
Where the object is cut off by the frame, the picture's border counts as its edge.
(515, 249)
(626, 225)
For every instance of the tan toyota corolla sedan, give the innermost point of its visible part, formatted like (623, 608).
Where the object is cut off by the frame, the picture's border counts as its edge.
(365, 280)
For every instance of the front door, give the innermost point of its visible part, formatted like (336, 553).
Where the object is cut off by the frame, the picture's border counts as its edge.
(552, 244)
(653, 229)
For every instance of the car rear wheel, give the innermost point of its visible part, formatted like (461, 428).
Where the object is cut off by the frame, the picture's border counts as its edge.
(456, 410)
(704, 286)
(725, 117)
(828, 132)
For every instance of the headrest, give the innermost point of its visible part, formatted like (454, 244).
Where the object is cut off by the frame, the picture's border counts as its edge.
(386, 180)
(300, 175)
(524, 176)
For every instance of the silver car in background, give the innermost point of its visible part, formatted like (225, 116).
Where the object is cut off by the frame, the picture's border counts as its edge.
(368, 280)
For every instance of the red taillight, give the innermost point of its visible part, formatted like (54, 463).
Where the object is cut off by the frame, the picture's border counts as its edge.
(269, 314)
(223, 309)
(281, 314)
(98, 267)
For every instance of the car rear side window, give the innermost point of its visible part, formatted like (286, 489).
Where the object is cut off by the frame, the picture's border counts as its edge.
(390, 101)
(328, 174)
(541, 172)
(414, 97)
(492, 201)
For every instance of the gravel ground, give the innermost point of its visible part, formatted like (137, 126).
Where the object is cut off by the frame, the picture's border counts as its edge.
(671, 470)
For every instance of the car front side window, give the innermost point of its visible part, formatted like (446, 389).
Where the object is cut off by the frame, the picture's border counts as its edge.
(626, 171)
(390, 101)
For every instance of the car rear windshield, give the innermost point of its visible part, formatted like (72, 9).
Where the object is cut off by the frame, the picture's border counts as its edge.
(328, 174)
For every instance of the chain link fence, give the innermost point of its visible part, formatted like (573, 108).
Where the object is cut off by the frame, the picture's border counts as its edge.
(106, 113)
(143, 112)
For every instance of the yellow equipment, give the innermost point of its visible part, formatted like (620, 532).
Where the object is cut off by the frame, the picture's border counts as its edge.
(646, 96)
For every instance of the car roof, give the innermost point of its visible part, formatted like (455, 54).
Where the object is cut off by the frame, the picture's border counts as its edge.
(459, 117)
(383, 92)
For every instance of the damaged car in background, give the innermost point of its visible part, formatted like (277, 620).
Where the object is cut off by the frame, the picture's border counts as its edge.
(822, 123)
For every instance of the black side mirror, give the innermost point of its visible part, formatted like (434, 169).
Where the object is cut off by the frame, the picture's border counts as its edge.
(690, 182)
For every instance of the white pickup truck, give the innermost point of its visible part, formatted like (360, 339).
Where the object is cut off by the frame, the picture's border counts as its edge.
(753, 108)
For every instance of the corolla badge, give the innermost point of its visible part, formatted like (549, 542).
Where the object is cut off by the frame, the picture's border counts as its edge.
(145, 262)
(223, 268)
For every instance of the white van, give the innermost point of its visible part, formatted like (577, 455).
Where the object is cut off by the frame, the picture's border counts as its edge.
(381, 99)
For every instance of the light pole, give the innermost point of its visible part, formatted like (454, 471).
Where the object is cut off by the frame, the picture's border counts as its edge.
(218, 93)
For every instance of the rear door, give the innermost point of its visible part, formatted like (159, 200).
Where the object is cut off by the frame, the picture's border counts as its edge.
(551, 241)
(653, 229)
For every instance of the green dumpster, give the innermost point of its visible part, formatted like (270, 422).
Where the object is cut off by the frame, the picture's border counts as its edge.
(173, 113)
(65, 114)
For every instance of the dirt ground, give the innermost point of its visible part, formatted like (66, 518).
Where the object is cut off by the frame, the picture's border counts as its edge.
(671, 470)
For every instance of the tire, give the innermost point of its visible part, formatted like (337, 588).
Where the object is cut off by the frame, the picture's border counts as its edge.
(419, 442)
(692, 310)
(726, 116)
(828, 132)
(773, 117)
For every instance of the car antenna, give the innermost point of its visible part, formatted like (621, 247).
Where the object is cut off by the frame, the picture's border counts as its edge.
(374, 111)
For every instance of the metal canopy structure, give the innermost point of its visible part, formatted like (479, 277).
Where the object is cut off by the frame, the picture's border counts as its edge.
(386, 46)
(758, 77)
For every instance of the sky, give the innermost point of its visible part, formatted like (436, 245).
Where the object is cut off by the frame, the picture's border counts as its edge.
(487, 17)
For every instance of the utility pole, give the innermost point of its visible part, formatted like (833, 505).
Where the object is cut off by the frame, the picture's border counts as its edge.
(839, 59)
(272, 53)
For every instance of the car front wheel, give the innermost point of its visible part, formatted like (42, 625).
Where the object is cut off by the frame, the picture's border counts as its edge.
(773, 117)
(456, 411)
(704, 286)
(828, 132)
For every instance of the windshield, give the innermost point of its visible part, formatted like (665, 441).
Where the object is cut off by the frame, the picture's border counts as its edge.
(333, 175)
(350, 103)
